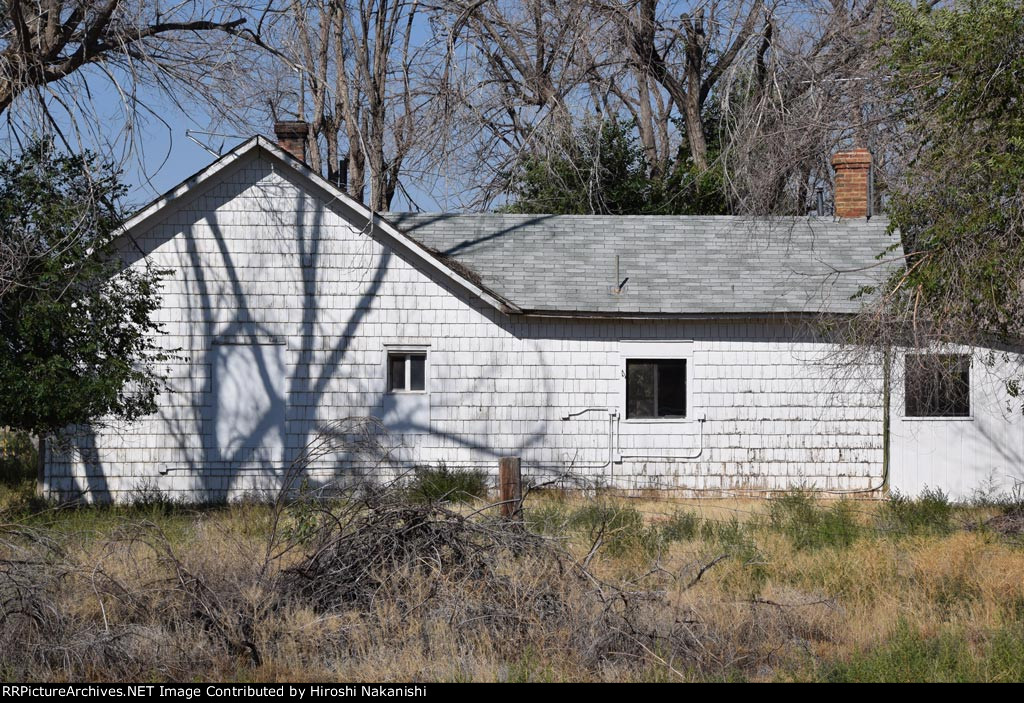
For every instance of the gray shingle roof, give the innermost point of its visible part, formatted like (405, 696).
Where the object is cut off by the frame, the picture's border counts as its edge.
(674, 265)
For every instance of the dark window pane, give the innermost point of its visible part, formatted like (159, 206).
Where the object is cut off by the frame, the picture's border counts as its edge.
(417, 372)
(640, 388)
(937, 385)
(396, 372)
(672, 388)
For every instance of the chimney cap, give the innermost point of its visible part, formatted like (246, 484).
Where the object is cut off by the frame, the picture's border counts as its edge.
(292, 136)
(852, 157)
(291, 128)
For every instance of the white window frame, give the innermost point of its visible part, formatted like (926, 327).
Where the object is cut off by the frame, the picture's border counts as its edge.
(407, 350)
(653, 350)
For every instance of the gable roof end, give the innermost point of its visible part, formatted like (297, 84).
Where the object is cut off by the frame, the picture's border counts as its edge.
(457, 273)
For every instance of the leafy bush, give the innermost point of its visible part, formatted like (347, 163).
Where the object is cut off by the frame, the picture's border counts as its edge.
(839, 524)
(930, 513)
(546, 519)
(18, 457)
(682, 525)
(19, 461)
(79, 343)
(622, 529)
(442, 483)
(800, 517)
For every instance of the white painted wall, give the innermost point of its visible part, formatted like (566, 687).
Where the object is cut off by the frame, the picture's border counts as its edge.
(963, 457)
(255, 256)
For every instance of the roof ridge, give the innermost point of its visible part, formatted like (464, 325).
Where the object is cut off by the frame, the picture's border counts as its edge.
(876, 219)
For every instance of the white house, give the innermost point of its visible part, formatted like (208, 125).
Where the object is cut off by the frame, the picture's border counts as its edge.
(639, 352)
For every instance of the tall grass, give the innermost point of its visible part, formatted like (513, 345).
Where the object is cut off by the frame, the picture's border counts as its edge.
(402, 584)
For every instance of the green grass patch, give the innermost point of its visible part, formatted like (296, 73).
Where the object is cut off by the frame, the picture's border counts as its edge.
(911, 656)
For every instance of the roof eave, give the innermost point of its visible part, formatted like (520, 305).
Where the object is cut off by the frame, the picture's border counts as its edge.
(638, 315)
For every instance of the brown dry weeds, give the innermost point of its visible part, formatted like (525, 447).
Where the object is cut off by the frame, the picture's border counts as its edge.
(368, 585)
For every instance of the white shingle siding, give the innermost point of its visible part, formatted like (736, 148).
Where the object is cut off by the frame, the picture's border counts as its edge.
(258, 255)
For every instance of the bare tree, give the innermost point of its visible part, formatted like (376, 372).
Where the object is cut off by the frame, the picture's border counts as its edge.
(361, 74)
(59, 58)
(51, 49)
(807, 93)
(519, 74)
(685, 48)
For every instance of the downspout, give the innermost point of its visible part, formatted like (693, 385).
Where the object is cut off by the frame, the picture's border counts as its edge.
(883, 485)
(886, 425)
(41, 468)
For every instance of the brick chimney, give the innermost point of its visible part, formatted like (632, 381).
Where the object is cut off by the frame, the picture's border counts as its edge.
(853, 183)
(292, 136)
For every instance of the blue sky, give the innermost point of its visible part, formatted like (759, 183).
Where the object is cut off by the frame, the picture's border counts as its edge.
(158, 156)
(162, 154)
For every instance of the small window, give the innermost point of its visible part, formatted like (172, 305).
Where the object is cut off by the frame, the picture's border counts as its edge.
(937, 385)
(407, 371)
(655, 388)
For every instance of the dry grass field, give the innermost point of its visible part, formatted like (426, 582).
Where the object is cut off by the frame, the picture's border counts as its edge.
(396, 584)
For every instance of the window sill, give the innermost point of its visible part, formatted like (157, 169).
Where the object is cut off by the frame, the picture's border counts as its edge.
(408, 393)
(659, 420)
(914, 418)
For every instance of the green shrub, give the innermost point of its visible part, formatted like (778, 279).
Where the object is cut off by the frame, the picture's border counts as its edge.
(840, 527)
(931, 513)
(442, 483)
(682, 525)
(147, 497)
(736, 539)
(726, 533)
(19, 458)
(546, 519)
(800, 517)
(19, 463)
(622, 529)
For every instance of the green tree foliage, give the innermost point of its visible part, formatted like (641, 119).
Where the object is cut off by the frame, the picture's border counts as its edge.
(602, 169)
(959, 78)
(77, 339)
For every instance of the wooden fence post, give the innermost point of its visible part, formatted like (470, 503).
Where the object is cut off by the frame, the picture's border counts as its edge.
(510, 488)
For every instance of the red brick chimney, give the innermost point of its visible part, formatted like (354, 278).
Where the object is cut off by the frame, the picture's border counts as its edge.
(292, 136)
(853, 183)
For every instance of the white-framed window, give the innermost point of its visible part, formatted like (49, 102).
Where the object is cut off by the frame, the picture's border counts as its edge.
(657, 381)
(407, 371)
(655, 388)
(937, 386)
